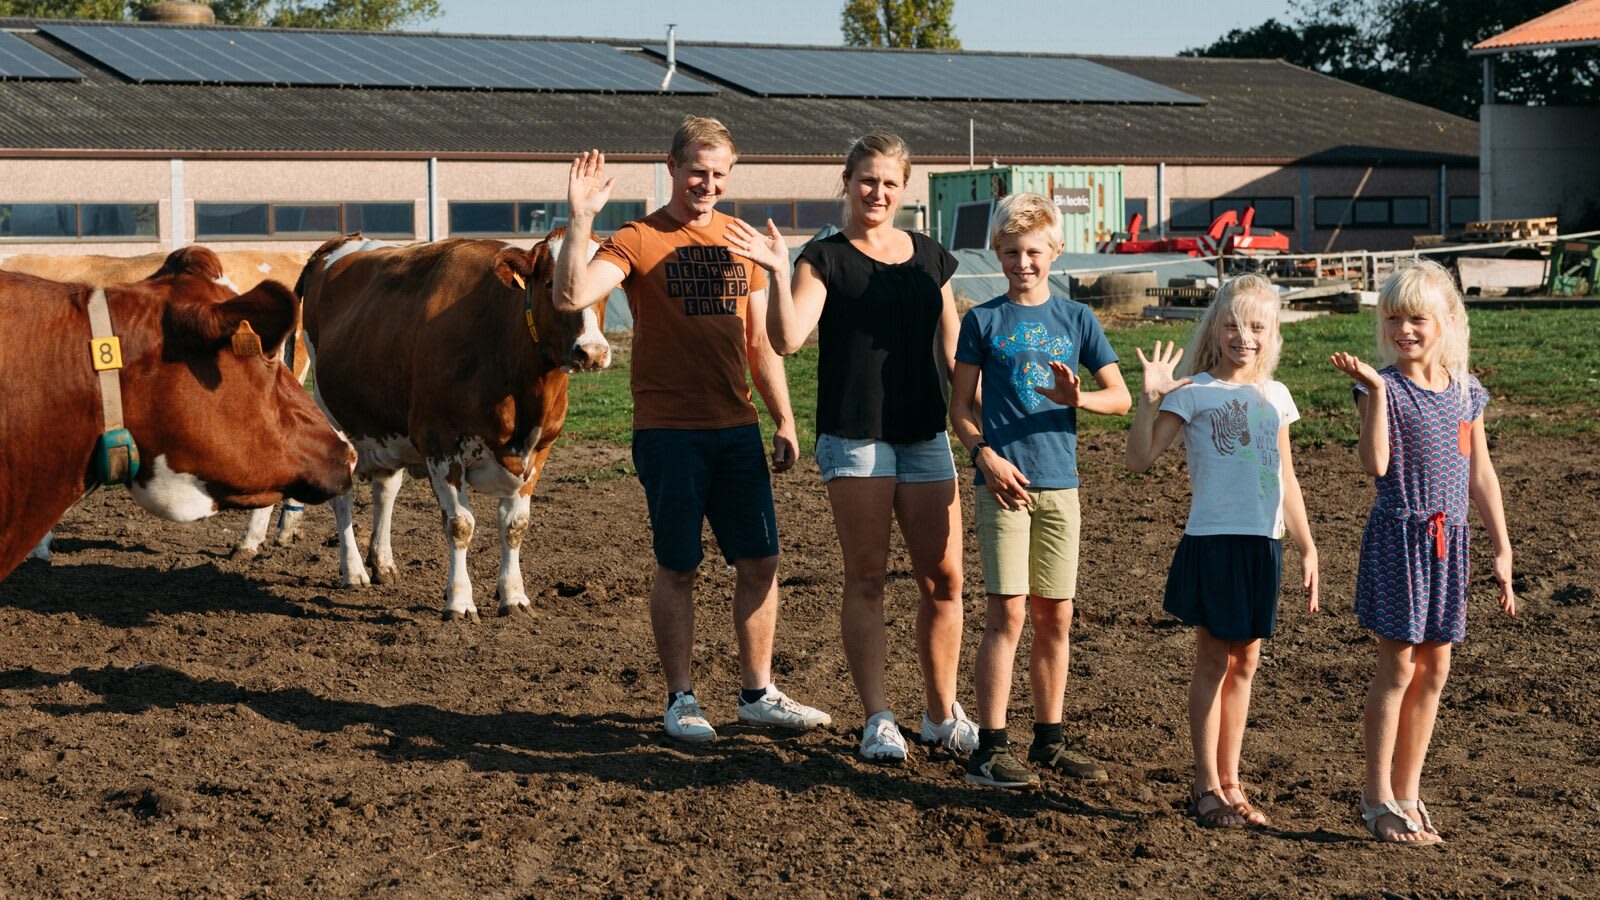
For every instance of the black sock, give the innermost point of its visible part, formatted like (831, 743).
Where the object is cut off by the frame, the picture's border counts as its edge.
(672, 696)
(749, 695)
(1044, 735)
(993, 739)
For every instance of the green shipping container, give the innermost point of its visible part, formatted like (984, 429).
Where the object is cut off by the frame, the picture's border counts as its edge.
(1089, 198)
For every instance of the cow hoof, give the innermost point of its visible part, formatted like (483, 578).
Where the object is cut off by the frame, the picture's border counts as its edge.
(357, 579)
(457, 615)
(386, 574)
(244, 554)
(288, 538)
(516, 611)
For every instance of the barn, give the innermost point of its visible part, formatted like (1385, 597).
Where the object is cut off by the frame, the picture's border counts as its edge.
(125, 138)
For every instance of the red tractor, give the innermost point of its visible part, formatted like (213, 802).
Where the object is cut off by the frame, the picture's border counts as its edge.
(1227, 236)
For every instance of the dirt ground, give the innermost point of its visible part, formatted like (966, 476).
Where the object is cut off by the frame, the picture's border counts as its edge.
(180, 724)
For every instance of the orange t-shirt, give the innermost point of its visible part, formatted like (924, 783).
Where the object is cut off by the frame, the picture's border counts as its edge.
(690, 296)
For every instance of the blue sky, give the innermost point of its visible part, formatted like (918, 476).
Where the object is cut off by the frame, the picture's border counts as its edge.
(1138, 28)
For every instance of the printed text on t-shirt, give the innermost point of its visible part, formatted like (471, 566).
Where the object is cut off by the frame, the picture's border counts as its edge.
(708, 280)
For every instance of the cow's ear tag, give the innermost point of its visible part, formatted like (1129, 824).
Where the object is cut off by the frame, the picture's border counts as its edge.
(517, 277)
(245, 341)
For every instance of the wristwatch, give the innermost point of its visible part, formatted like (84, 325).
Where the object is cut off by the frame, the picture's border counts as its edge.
(976, 449)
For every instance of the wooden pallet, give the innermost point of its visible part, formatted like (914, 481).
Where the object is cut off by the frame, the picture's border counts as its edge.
(1497, 230)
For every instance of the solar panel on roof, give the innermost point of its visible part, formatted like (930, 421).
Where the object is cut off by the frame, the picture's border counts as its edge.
(20, 59)
(802, 72)
(245, 56)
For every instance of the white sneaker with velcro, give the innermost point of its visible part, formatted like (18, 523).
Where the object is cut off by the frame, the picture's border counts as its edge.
(685, 722)
(775, 709)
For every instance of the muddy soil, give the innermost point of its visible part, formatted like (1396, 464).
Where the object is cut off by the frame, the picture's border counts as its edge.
(177, 723)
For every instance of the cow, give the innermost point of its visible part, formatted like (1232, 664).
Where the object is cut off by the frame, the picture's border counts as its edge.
(446, 358)
(217, 421)
(242, 270)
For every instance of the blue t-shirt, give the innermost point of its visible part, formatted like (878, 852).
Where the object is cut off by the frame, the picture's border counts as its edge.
(1013, 345)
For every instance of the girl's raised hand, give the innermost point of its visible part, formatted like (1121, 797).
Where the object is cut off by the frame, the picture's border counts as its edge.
(1360, 372)
(1158, 378)
(765, 250)
(1067, 384)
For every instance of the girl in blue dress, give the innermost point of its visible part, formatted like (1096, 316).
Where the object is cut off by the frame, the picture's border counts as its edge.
(1422, 438)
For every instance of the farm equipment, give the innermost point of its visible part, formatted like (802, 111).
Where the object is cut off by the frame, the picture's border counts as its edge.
(1228, 236)
(1574, 269)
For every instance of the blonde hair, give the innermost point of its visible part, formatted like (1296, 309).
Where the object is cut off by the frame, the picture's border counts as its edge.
(1237, 299)
(871, 145)
(703, 131)
(1022, 213)
(1427, 287)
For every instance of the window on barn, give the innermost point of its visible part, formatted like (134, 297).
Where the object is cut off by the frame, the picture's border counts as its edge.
(1463, 210)
(1373, 212)
(528, 218)
(302, 221)
(1190, 215)
(1132, 206)
(225, 220)
(321, 219)
(810, 216)
(1271, 212)
(74, 221)
(381, 220)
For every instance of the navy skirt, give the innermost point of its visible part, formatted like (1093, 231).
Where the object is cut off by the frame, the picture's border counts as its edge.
(1226, 584)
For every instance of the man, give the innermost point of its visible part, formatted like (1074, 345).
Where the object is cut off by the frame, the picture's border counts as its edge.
(699, 316)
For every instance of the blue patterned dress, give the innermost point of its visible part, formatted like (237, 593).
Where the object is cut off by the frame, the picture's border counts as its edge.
(1412, 582)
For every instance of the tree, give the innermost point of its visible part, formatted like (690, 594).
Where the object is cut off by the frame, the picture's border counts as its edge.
(360, 15)
(1417, 49)
(919, 24)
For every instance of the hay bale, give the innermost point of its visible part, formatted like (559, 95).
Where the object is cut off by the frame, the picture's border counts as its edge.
(1121, 292)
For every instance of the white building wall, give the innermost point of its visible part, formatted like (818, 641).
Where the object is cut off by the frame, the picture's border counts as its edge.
(1540, 161)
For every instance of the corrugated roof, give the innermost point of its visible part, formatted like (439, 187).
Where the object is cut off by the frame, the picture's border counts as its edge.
(1574, 25)
(1258, 111)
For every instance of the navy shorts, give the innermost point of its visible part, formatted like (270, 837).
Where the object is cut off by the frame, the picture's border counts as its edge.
(718, 475)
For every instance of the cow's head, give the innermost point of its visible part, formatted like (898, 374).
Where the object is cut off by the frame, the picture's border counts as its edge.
(218, 421)
(577, 340)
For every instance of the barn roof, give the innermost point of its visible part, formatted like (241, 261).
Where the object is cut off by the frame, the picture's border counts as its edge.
(1255, 112)
(1574, 25)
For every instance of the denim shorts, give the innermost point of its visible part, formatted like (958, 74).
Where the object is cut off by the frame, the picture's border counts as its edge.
(693, 476)
(918, 461)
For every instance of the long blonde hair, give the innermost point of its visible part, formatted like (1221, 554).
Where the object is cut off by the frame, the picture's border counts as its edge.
(1237, 299)
(1427, 287)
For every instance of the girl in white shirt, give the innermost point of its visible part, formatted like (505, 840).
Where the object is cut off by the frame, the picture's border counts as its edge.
(1226, 571)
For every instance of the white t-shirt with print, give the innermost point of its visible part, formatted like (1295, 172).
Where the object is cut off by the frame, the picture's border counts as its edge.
(1231, 432)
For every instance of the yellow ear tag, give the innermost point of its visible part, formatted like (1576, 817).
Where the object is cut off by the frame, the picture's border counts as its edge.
(105, 353)
(245, 341)
(521, 285)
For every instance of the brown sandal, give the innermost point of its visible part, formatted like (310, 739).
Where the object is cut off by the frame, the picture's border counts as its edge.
(1213, 817)
(1243, 809)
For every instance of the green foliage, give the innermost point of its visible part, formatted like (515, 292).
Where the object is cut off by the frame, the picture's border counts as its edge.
(907, 24)
(1417, 49)
(358, 15)
(1541, 367)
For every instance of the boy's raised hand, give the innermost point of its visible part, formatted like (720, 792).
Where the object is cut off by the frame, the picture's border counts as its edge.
(588, 188)
(1158, 378)
(1360, 372)
(1067, 384)
(765, 250)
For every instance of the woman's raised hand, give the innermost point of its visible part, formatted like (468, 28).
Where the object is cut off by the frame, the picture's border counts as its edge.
(765, 250)
(1360, 372)
(588, 188)
(1158, 377)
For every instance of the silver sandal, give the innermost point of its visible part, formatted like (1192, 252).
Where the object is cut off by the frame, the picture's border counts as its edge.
(1422, 810)
(1370, 816)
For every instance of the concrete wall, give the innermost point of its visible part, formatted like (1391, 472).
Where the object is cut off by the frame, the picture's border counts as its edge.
(298, 181)
(1540, 161)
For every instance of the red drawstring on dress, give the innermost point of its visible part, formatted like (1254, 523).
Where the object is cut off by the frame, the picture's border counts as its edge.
(1436, 531)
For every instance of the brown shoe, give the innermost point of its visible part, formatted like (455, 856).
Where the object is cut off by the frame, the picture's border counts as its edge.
(1066, 761)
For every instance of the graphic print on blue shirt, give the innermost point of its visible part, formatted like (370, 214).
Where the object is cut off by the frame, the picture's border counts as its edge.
(1035, 347)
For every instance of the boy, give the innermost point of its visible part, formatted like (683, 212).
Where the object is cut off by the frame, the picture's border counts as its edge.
(1026, 347)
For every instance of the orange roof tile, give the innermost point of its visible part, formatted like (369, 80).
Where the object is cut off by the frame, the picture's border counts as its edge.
(1576, 24)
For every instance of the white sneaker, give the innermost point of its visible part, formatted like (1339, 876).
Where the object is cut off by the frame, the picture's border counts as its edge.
(685, 722)
(957, 734)
(777, 710)
(881, 740)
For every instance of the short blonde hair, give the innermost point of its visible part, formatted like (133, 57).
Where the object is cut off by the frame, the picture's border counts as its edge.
(1022, 213)
(1237, 298)
(704, 131)
(1426, 287)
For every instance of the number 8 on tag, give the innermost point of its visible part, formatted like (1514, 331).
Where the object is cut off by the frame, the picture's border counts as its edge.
(105, 353)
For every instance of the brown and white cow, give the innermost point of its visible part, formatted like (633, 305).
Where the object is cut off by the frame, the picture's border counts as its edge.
(214, 426)
(424, 359)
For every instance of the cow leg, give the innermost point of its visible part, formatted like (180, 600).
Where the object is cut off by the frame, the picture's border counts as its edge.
(289, 522)
(351, 572)
(255, 533)
(456, 515)
(513, 525)
(380, 555)
(42, 550)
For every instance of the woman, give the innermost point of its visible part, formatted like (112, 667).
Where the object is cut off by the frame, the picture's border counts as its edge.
(888, 332)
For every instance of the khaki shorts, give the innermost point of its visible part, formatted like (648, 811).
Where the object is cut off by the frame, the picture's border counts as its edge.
(1033, 550)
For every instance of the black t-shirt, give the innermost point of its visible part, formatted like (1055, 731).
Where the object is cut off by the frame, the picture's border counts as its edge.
(878, 374)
